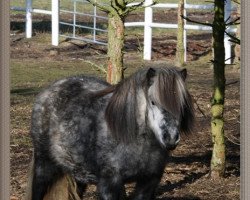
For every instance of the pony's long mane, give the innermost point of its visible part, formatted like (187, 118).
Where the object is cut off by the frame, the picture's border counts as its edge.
(169, 92)
(122, 108)
(175, 98)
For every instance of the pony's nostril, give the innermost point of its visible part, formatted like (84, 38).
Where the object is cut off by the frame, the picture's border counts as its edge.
(165, 136)
(174, 140)
(177, 139)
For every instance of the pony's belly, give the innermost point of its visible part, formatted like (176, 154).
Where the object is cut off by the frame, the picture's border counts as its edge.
(86, 177)
(132, 166)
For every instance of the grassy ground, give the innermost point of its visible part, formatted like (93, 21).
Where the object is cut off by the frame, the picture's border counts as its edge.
(186, 175)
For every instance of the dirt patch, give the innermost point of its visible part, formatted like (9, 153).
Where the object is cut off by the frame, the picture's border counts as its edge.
(187, 172)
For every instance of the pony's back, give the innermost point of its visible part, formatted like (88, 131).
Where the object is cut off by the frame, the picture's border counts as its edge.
(61, 95)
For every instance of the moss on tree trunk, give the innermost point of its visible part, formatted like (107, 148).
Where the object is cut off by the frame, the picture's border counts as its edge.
(115, 72)
(180, 36)
(217, 121)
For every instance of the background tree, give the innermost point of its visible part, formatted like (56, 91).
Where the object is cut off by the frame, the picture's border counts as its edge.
(180, 36)
(220, 24)
(117, 11)
(218, 160)
(217, 122)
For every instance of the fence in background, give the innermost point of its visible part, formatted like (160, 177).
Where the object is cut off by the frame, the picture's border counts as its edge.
(77, 26)
(148, 23)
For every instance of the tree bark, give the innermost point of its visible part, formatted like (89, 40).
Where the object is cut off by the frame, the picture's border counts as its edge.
(116, 32)
(180, 36)
(217, 110)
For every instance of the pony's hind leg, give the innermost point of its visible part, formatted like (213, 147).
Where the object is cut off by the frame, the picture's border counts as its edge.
(81, 188)
(45, 174)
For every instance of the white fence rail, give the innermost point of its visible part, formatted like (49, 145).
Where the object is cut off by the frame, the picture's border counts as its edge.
(148, 23)
(54, 12)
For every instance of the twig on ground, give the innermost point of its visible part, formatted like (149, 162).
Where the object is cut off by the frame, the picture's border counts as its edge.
(101, 68)
(231, 83)
(198, 107)
(236, 143)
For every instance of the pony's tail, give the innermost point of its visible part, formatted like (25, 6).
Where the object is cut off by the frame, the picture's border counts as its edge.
(28, 194)
(64, 188)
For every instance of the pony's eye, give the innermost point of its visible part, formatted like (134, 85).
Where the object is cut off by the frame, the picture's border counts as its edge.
(153, 103)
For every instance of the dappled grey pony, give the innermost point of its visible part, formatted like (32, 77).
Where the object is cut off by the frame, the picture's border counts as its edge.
(109, 135)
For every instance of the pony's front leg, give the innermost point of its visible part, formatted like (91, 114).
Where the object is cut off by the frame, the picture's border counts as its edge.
(145, 189)
(111, 189)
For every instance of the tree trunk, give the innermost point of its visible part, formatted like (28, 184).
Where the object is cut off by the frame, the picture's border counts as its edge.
(180, 36)
(217, 121)
(115, 72)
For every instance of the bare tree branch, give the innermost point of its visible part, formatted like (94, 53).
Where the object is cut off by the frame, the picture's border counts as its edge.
(231, 83)
(115, 7)
(201, 111)
(233, 38)
(236, 1)
(237, 143)
(121, 4)
(103, 7)
(98, 67)
(137, 6)
(193, 21)
(234, 22)
(133, 7)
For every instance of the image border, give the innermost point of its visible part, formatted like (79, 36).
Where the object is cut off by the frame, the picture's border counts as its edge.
(244, 102)
(5, 100)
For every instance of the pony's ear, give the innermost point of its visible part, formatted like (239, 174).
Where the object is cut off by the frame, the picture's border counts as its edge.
(150, 75)
(184, 74)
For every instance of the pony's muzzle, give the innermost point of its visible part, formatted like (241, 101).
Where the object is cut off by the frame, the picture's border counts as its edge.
(172, 141)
